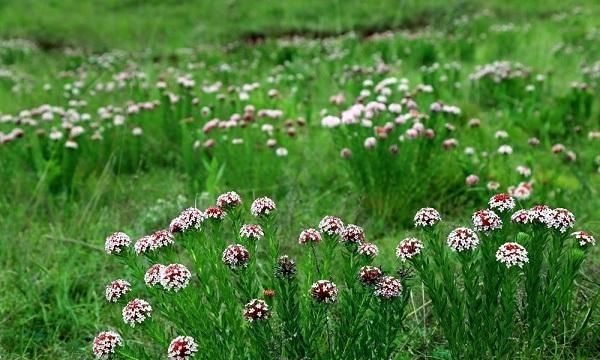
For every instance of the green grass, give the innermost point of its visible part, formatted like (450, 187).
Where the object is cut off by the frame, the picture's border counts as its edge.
(51, 248)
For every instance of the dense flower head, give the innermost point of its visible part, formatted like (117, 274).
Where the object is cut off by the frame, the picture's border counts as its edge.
(309, 236)
(214, 212)
(512, 254)
(427, 217)
(136, 311)
(188, 219)
(539, 213)
(152, 275)
(521, 217)
(182, 348)
(502, 202)
(369, 275)
(236, 256)
(229, 200)
(143, 245)
(262, 206)
(559, 219)
(584, 238)
(353, 234)
(105, 344)
(175, 277)
(116, 289)
(368, 249)
(285, 267)
(409, 248)
(116, 243)
(160, 239)
(256, 310)
(462, 239)
(388, 287)
(331, 225)
(251, 231)
(324, 291)
(486, 220)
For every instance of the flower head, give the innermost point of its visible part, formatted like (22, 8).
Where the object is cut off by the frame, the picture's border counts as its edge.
(152, 275)
(512, 254)
(116, 289)
(521, 217)
(182, 348)
(427, 217)
(369, 275)
(175, 277)
(236, 256)
(116, 243)
(539, 213)
(229, 200)
(143, 245)
(502, 202)
(251, 232)
(105, 344)
(559, 219)
(262, 206)
(188, 219)
(352, 234)
(486, 221)
(388, 287)
(462, 239)
(160, 239)
(331, 225)
(584, 238)
(216, 213)
(309, 236)
(368, 249)
(136, 311)
(256, 310)
(409, 248)
(324, 291)
(285, 267)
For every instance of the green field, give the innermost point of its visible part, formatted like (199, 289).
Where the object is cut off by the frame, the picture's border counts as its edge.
(117, 115)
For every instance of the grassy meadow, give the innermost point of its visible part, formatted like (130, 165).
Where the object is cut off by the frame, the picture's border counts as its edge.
(118, 115)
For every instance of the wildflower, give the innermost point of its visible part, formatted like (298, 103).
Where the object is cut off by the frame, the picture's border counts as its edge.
(216, 213)
(236, 256)
(345, 153)
(190, 218)
(486, 220)
(533, 141)
(521, 217)
(558, 148)
(559, 219)
(116, 289)
(229, 200)
(285, 267)
(281, 152)
(388, 287)
(116, 243)
(324, 291)
(427, 217)
(136, 311)
(521, 192)
(160, 239)
(331, 225)
(143, 245)
(251, 232)
(105, 344)
(539, 213)
(368, 249)
(493, 185)
(512, 254)
(369, 275)
(408, 248)
(175, 277)
(472, 180)
(505, 150)
(501, 202)
(370, 143)
(584, 238)
(309, 236)
(449, 144)
(524, 171)
(352, 234)
(152, 275)
(262, 206)
(256, 310)
(182, 348)
(462, 239)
